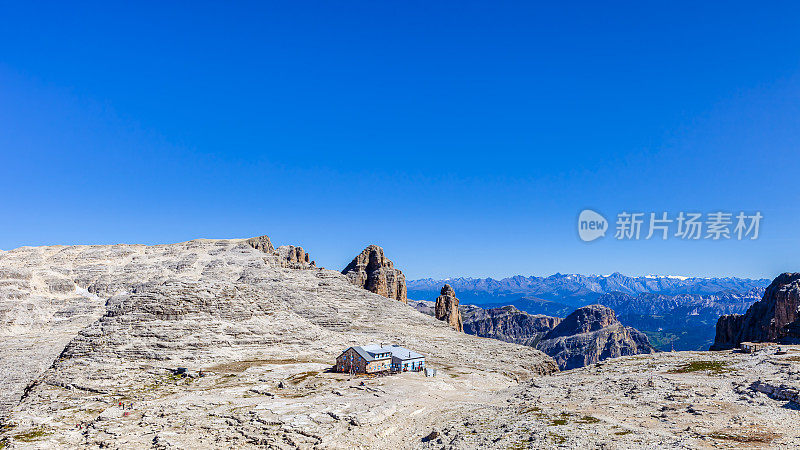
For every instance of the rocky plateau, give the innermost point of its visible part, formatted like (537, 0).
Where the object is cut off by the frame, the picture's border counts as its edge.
(229, 344)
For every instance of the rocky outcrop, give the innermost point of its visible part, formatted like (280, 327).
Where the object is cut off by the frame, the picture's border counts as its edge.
(294, 257)
(287, 256)
(447, 308)
(373, 271)
(778, 390)
(507, 324)
(729, 328)
(261, 243)
(591, 334)
(775, 318)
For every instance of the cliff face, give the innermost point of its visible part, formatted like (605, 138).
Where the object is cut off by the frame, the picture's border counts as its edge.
(588, 335)
(775, 318)
(591, 334)
(584, 320)
(373, 271)
(507, 324)
(447, 308)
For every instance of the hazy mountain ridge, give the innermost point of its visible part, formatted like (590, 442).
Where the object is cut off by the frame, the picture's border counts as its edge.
(578, 290)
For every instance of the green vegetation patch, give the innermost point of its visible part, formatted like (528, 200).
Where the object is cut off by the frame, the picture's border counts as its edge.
(530, 409)
(588, 419)
(557, 438)
(746, 437)
(712, 367)
(32, 435)
(562, 419)
(303, 376)
(520, 445)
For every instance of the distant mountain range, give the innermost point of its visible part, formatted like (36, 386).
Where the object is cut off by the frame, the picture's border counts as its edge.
(575, 289)
(675, 312)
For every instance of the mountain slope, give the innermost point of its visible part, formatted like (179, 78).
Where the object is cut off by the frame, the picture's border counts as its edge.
(111, 323)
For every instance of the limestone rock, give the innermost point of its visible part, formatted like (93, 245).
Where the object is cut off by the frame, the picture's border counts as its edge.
(294, 257)
(261, 243)
(775, 318)
(591, 334)
(728, 330)
(447, 308)
(373, 271)
(288, 256)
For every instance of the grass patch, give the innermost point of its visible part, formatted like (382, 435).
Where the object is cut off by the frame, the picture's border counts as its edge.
(530, 409)
(623, 432)
(793, 358)
(32, 435)
(293, 394)
(557, 438)
(241, 366)
(520, 445)
(712, 367)
(563, 419)
(303, 376)
(748, 437)
(588, 419)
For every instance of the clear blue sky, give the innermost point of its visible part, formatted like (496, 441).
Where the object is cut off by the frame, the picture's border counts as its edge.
(463, 137)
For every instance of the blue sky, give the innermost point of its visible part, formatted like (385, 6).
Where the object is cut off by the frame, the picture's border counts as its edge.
(463, 137)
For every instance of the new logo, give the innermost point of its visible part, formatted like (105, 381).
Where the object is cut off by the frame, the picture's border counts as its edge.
(591, 225)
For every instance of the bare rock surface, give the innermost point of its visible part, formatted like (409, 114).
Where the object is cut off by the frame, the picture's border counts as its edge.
(87, 327)
(591, 334)
(446, 308)
(775, 318)
(686, 400)
(373, 271)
